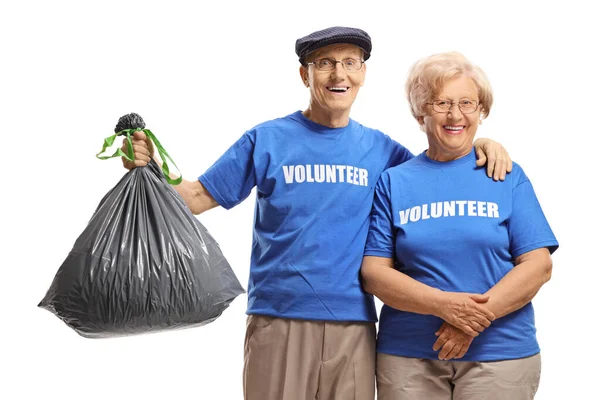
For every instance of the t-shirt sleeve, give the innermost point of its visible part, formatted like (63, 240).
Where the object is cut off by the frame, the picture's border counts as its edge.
(399, 154)
(528, 228)
(231, 178)
(380, 240)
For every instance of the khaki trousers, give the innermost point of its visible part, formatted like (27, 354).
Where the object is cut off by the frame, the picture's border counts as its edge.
(287, 359)
(403, 378)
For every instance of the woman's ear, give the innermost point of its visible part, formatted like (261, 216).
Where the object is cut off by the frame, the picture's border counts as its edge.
(421, 121)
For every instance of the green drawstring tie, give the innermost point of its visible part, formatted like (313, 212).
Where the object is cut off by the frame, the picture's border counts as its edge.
(108, 142)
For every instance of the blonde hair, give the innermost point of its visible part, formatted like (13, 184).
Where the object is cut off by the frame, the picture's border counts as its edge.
(428, 76)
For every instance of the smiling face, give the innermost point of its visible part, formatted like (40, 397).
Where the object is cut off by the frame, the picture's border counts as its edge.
(451, 134)
(332, 93)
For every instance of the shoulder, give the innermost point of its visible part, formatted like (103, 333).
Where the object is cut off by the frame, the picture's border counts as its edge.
(401, 172)
(375, 133)
(278, 123)
(274, 126)
(382, 139)
(407, 167)
(517, 176)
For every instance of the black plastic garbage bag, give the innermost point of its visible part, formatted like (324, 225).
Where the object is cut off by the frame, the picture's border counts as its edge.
(144, 263)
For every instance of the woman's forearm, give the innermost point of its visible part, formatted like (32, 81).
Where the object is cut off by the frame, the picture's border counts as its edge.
(521, 284)
(399, 290)
(463, 310)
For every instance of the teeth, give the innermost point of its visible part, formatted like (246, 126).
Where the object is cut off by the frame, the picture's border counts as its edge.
(338, 89)
(453, 128)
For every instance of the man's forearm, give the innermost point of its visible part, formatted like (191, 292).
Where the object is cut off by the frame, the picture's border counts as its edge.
(193, 193)
(195, 196)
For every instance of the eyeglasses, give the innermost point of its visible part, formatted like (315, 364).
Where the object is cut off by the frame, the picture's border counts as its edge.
(465, 106)
(328, 64)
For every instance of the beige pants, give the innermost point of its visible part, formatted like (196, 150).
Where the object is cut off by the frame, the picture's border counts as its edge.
(402, 378)
(287, 359)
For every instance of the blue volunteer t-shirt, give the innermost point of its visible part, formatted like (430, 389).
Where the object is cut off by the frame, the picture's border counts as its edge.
(314, 192)
(451, 227)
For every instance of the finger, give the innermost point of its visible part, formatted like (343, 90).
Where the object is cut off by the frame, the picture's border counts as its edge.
(443, 355)
(480, 324)
(440, 342)
(509, 166)
(477, 320)
(477, 326)
(483, 322)
(481, 310)
(143, 160)
(481, 159)
(149, 142)
(499, 168)
(468, 330)
(140, 143)
(140, 156)
(139, 135)
(463, 351)
(144, 143)
(505, 160)
(150, 147)
(136, 145)
(473, 323)
(479, 298)
(480, 318)
(134, 164)
(139, 149)
(441, 330)
(485, 312)
(454, 352)
(491, 162)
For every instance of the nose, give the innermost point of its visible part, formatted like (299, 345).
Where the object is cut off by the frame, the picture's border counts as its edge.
(338, 71)
(455, 112)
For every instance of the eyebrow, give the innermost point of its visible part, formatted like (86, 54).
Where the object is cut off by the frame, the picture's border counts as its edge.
(447, 98)
(333, 58)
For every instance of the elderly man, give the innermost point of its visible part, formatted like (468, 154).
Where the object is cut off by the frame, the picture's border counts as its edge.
(311, 327)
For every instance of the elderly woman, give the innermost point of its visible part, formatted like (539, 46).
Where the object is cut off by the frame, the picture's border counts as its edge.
(456, 257)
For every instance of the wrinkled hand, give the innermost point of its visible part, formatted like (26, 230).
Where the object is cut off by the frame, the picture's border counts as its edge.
(466, 312)
(451, 342)
(143, 150)
(495, 155)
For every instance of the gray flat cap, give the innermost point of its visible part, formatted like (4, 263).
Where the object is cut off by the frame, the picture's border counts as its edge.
(333, 35)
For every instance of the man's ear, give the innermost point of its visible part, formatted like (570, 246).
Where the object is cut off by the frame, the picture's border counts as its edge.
(364, 73)
(304, 75)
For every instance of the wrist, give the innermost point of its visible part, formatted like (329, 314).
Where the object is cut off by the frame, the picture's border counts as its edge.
(437, 303)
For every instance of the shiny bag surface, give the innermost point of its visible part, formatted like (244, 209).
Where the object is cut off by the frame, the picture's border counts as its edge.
(144, 263)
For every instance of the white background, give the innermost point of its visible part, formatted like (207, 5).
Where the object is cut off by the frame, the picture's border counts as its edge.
(200, 75)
